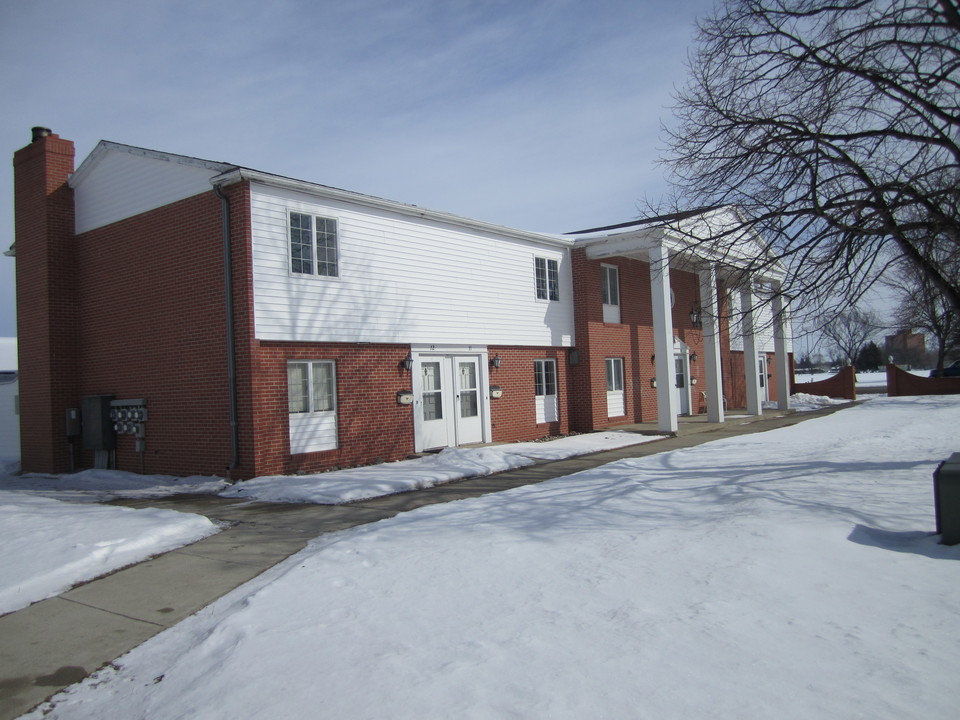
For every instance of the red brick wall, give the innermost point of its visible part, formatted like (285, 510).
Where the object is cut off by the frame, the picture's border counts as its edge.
(371, 425)
(514, 416)
(152, 325)
(631, 339)
(46, 300)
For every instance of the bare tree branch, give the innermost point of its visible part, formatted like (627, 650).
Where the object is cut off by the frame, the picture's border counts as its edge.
(835, 127)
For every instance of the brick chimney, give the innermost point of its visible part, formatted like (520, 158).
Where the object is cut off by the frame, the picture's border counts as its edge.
(46, 299)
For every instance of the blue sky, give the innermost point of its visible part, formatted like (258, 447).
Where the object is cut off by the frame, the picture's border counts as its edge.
(537, 114)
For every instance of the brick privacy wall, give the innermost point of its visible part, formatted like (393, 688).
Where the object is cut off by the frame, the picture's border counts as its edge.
(631, 340)
(841, 385)
(514, 416)
(152, 325)
(46, 300)
(900, 383)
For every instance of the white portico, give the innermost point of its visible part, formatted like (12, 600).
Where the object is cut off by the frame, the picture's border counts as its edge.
(733, 265)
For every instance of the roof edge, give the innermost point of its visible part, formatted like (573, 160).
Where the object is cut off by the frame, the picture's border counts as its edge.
(238, 174)
(104, 147)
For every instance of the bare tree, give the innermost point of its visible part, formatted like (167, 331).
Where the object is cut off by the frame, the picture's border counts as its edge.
(850, 331)
(835, 127)
(923, 305)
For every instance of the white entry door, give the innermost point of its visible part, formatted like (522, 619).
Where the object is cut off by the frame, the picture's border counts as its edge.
(615, 401)
(468, 425)
(450, 402)
(681, 388)
(762, 369)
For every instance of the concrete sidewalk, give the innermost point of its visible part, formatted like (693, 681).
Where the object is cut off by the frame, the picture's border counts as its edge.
(57, 642)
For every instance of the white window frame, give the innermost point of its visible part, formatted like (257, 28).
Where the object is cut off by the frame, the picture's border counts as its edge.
(546, 402)
(549, 270)
(610, 292)
(315, 264)
(314, 428)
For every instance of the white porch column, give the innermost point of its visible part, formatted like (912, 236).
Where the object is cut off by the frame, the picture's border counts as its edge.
(663, 339)
(751, 368)
(711, 344)
(781, 360)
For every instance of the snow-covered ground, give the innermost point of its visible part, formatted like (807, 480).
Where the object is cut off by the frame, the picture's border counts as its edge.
(341, 486)
(51, 544)
(787, 574)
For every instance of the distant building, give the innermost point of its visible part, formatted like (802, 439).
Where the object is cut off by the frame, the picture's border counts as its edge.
(906, 348)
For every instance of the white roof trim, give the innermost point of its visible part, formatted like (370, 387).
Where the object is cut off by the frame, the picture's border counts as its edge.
(681, 241)
(236, 174)
(104, 147)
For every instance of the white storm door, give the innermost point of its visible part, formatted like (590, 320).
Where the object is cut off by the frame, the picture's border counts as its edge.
(615, 402)
(469, 424)
(680, 389)
(436, 422)
(762, 369)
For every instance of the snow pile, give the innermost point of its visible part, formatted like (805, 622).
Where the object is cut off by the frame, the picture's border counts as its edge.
(804, 402)
(49, 546)
(9, 465)
(107, 485)
(340, 486)
(788, 574)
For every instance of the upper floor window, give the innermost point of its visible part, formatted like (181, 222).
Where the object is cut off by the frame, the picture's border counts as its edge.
(610, 293)
(548, 278)
(313, 245)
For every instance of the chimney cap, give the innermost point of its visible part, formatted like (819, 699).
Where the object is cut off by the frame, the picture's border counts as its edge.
(40, 132)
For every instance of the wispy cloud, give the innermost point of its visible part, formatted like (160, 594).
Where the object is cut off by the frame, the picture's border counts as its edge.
(540, 114)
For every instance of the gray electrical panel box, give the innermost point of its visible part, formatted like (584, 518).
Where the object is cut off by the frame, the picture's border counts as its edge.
(98, 433)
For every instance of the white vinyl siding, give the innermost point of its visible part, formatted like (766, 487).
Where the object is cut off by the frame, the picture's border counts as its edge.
(610, 293)
(112, 185)
(545, 390)
(312, 402)
(402, 280)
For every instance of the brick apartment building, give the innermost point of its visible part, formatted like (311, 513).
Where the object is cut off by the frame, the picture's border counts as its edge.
(183, 316)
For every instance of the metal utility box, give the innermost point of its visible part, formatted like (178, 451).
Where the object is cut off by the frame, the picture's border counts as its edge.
(946, 499)
(98, 431)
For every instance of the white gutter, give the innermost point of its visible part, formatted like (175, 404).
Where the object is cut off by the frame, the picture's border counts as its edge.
(238, 174)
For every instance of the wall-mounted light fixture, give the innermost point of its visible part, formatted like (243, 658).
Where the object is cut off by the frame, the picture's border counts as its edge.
(653, 358)
(696, 317)
(693, 358)
(693, 381)
(653, 382)
(495, 363)
(407, 362)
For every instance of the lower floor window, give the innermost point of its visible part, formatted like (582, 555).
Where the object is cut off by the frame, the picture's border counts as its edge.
(312, 404)
(545, 389)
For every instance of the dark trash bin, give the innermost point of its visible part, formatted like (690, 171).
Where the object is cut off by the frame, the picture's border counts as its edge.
(946, 499)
